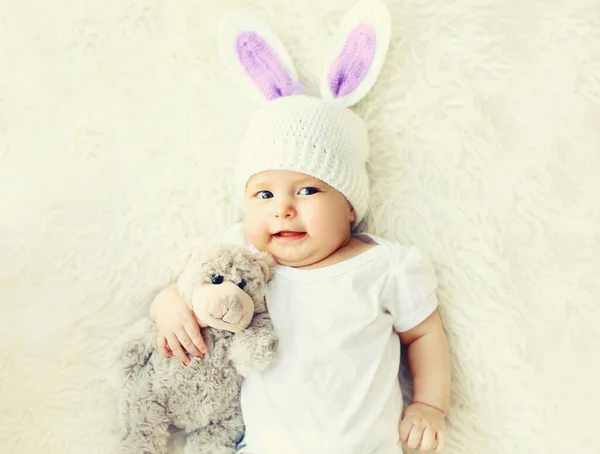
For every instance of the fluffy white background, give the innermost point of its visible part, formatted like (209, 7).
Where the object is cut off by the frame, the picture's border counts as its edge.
(117, 136)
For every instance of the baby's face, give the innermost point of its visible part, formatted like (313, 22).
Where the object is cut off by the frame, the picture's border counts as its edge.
(299, 219)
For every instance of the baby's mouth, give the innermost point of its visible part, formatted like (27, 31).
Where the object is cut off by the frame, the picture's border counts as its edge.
(289, 236)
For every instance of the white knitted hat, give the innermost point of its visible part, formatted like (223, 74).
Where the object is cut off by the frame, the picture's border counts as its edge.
(320, 137)
(311, 136)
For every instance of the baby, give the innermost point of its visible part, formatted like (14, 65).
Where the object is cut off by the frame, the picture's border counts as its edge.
(341, 302)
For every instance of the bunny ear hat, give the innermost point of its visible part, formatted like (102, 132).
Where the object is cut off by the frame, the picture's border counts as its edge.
(317, 136)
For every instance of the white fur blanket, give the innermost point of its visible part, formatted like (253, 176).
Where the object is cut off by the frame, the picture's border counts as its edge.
(118, 130)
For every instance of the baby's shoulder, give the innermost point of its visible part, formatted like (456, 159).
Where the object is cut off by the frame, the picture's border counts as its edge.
(392, 249)
(398, 258)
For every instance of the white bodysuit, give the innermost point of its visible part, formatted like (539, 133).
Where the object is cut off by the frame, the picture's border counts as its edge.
(333, 388)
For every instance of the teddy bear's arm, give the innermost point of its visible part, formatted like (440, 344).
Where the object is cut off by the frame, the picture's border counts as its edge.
(253, 349)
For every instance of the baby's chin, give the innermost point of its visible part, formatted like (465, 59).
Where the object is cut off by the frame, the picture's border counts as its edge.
(296, 260)
(293, 259)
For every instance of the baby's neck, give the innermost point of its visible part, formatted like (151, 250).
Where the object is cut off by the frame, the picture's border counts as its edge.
(350, 248)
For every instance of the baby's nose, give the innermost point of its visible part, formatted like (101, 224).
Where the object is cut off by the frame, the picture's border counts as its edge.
(284, 210)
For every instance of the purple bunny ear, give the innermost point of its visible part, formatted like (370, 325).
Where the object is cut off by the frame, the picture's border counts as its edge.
(249, 46)
(358, 52)
(264, 67)
(352, 64)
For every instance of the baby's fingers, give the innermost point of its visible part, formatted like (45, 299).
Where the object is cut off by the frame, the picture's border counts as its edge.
(177, 349)
(405, 427)
(193, 343)
(415, 436)
(428, 441)
(163, 348)
(441, 441)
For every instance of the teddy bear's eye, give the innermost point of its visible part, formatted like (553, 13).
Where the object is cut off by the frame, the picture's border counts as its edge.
(216, 279)
(242, 284)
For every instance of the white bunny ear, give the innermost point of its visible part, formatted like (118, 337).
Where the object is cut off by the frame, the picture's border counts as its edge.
(251, 49)
(358, 52)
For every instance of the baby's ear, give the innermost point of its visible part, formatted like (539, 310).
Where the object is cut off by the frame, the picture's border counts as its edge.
(267, 264)
(357, 53)
(257, 56)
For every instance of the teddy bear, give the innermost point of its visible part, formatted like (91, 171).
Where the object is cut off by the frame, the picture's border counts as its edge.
(225, 287)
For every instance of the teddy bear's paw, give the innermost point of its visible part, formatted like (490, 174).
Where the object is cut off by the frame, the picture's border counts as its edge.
(253, 354)
(134, 355)
(211, 450)
(134, 347)
(206, 444)
(223, 450)
(133, 352)
(136, 445)
(267, 349)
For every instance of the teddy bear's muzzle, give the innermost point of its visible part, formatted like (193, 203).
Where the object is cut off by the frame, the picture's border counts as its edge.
(227, 308)
(223, 306)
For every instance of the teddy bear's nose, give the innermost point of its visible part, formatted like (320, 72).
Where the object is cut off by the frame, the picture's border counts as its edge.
(229, 309)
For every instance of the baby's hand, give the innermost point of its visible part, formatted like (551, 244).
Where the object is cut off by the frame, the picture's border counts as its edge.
(423, 425)
(177, 326)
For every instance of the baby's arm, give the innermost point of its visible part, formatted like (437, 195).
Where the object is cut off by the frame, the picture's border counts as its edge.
(177, 326)
(429, 362)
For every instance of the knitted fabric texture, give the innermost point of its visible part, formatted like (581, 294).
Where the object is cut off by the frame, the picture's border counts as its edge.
(311, 136)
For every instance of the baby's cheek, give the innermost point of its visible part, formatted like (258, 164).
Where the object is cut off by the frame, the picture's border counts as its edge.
(251, 225)
(256, 228)
(258, 236)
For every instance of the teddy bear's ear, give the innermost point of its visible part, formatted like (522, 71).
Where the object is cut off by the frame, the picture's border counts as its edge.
(267, 264)
(196, 250)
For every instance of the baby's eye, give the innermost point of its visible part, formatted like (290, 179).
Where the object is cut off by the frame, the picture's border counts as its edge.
(242, 284)
(216, 279)
(308, 191)
(264, 195)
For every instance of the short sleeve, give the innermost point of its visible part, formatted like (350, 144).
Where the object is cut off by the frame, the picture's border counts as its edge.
(410, 295)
